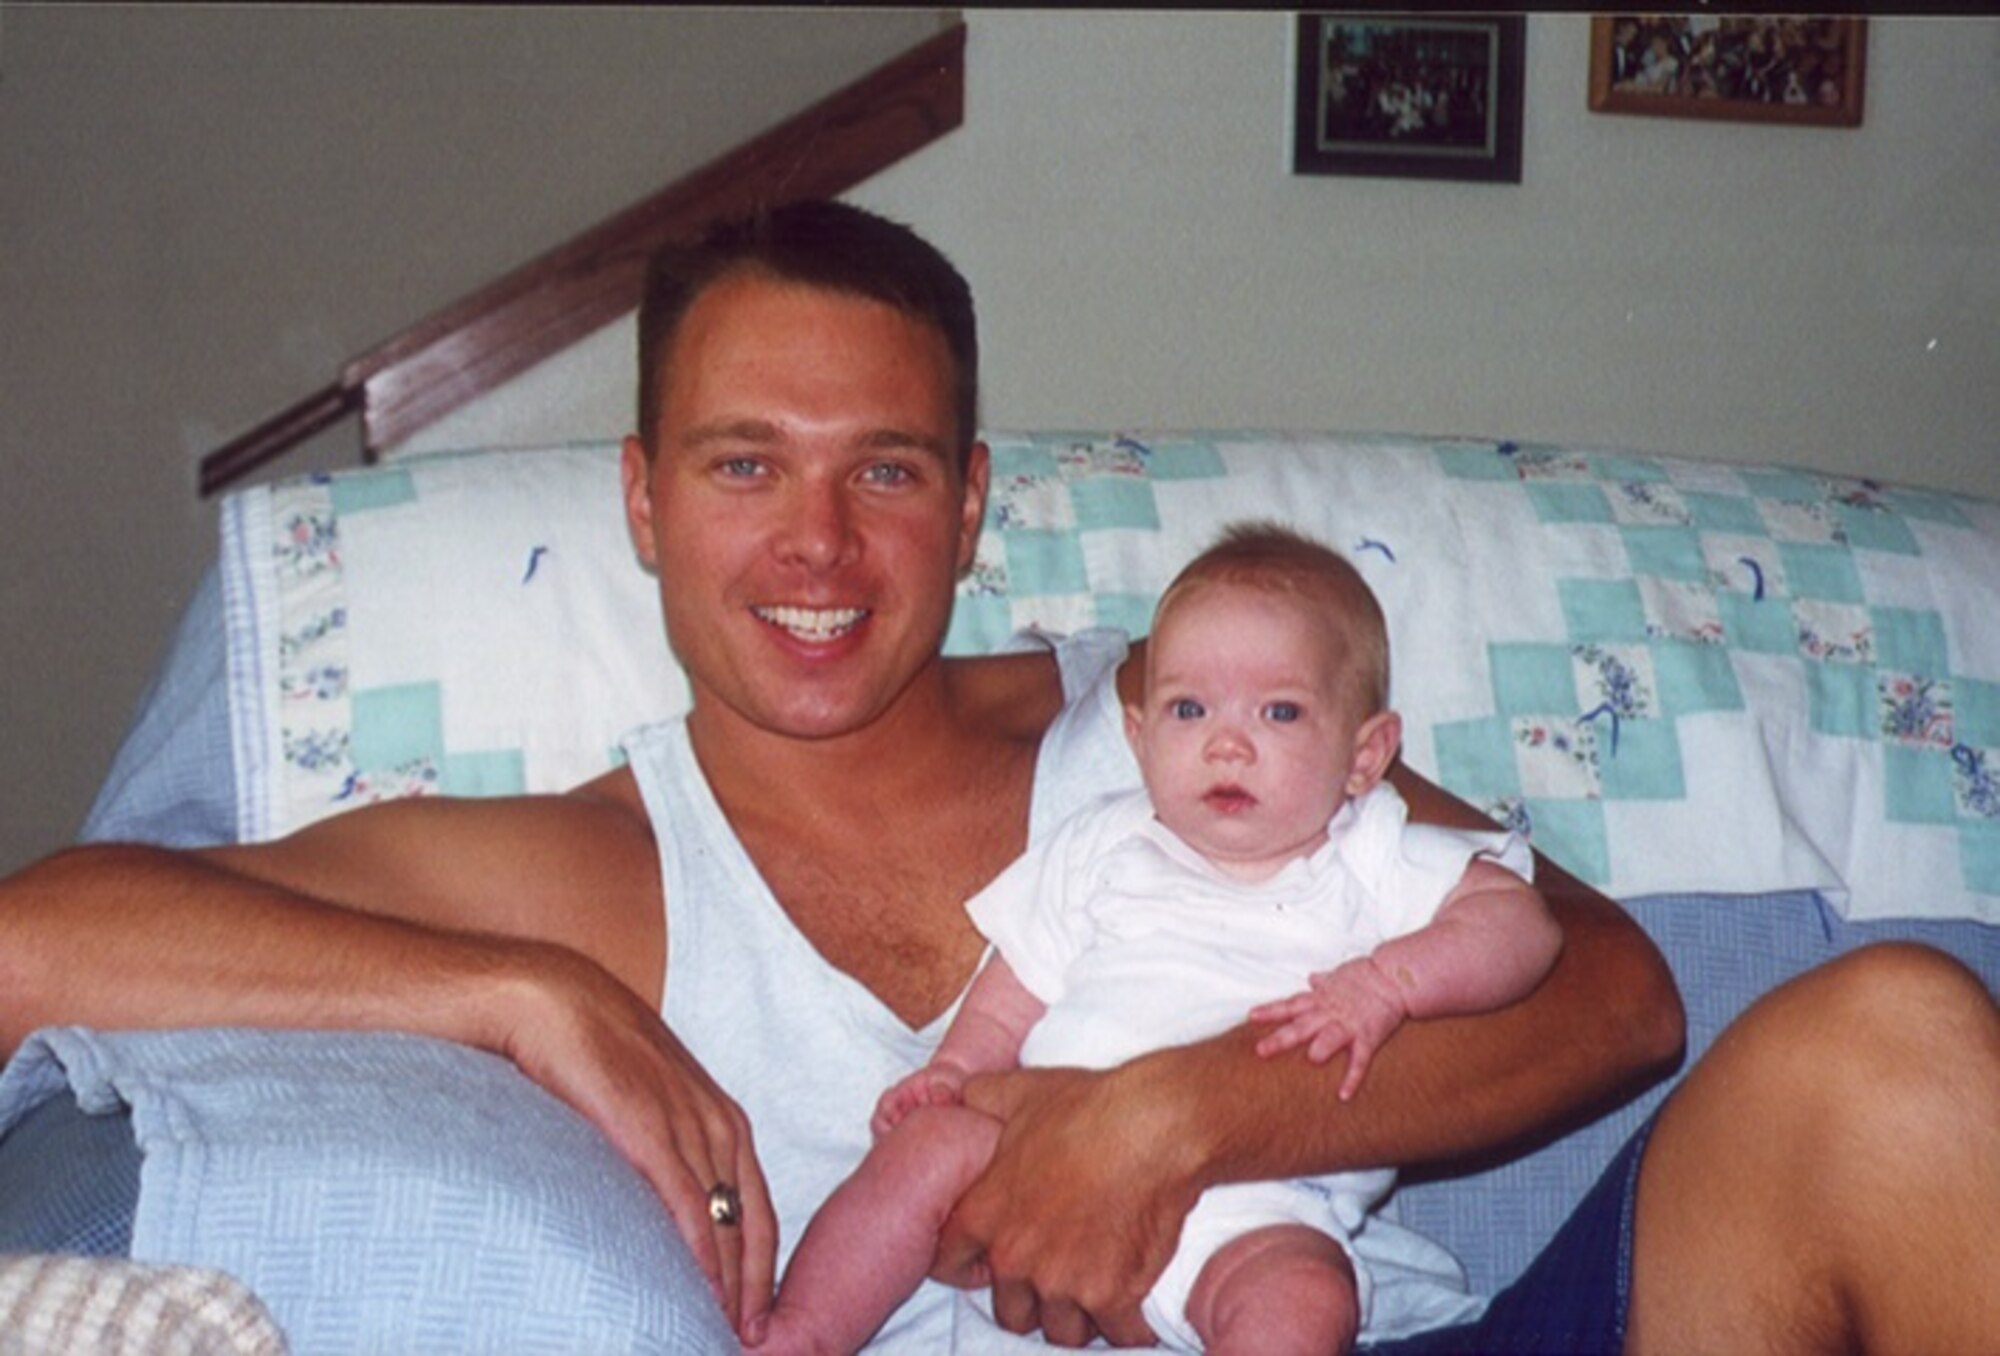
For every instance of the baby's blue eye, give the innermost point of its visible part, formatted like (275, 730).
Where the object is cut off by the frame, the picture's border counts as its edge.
(1284, 713)
(1187, 708)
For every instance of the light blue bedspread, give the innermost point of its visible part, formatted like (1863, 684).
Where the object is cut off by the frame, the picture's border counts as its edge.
(383, 1193)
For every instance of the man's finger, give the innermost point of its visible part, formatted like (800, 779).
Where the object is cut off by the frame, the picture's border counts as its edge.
(1126, 1329)
(1014, 1306)
(759, 1243)
(1066, 1325)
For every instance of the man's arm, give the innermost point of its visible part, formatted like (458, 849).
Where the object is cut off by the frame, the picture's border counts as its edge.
(1151, 1135)
(517, 926)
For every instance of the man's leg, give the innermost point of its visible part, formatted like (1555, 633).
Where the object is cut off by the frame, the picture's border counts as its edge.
(1828, 1177)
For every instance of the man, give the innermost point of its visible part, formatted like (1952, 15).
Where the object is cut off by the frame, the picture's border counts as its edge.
(806, 485)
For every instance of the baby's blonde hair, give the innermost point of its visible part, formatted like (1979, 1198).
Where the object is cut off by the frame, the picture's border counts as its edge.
(1269, 555)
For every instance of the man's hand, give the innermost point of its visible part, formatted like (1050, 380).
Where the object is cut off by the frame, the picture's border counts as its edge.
(588, 1039)
(1079, 1211)
(1352, 1007)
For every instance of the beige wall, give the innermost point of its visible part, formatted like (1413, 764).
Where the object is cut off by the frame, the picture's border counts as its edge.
(204, 210)
(1120, 198)
(186, 243)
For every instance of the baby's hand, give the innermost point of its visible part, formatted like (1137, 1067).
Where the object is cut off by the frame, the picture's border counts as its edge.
(932, 1085)
(1354, 1007)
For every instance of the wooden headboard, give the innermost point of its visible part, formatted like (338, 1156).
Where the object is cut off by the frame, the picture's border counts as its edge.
(501, 330)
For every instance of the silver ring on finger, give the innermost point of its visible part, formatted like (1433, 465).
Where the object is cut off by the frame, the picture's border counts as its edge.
(725, 1205)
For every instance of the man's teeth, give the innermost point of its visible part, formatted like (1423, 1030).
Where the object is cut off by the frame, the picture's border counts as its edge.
(813, 623)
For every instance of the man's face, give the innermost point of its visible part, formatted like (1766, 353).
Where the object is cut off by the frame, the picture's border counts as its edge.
(1244, 738)
(803, 506)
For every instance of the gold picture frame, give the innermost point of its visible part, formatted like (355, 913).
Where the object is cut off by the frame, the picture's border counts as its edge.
(1754, 68)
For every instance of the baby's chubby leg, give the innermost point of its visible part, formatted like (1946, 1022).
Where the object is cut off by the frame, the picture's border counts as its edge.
(873, 1241)
(1281, 1289)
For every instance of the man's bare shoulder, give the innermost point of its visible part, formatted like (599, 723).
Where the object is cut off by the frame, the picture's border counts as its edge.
(1018, 695)
(1011, 696)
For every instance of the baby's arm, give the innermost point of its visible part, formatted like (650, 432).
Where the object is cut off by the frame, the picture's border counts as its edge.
(1491, 942)
(985, 1037)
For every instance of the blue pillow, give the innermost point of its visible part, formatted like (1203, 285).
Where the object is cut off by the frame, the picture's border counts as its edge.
(378, 1192)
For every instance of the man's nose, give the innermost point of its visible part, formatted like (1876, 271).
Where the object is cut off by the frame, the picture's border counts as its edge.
(819, 529)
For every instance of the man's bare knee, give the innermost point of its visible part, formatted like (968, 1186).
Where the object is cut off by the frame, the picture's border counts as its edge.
(1826, 1174)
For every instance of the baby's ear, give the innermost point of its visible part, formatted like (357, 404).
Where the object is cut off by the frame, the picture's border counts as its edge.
(1133, 726)
(1375, 747)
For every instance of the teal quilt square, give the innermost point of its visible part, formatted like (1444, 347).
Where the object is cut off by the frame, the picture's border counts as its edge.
(1730, 513)
(1926, 506)
(1646, 765)
(1668, 552)
(1021, 459)
(1131, 613)
(1823, 572)
(1758, 625)
(1476, 463)
(1695, 678)
(359, 491)
(1569, 502)
(1185, 461)
(1791, 487)
(1909, 640)
(1114, 501)
(1572, 834)
(1917, 785)
(1875, 529)
(1475, 758)
(1628, 470)
(496, 772)
(397, 725)
(978, 624)
(1979, 855)
(1040, 560)
(1602, 609)
(1976, 711)
(1841, 700)
(1532, 680)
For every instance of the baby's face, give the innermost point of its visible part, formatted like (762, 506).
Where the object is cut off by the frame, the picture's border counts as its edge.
(1244, 737)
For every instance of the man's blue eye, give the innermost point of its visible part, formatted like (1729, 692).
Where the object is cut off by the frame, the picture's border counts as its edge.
(889, 473)
(1283, 712)
(1187, 708)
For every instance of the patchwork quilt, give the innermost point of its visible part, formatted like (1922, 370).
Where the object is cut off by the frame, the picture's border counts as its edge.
(1674, 675)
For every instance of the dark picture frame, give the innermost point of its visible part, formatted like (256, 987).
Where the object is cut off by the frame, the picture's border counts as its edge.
(1409, 96)
(1779, 68)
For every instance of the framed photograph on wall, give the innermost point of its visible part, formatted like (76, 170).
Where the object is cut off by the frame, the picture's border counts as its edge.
(1761, 68)
(1419, 96)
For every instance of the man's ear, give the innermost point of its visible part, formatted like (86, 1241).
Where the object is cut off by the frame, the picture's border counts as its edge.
(972, 513)
(635, 474)
(1375, 748)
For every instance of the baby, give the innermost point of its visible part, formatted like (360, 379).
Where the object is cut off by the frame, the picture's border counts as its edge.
(1266, 869)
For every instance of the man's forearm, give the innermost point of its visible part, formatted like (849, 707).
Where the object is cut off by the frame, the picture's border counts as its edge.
(122, 936)
(1605, 1023)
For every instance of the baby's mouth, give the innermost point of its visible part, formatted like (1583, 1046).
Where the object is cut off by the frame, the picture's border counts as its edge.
(813, 624)
(1229, 799)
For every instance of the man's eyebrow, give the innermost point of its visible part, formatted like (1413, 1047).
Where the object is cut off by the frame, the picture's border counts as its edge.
(901, 440)
(765, 432)
(730, 431)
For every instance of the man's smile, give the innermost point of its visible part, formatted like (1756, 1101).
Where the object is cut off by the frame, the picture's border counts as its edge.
(812, 623)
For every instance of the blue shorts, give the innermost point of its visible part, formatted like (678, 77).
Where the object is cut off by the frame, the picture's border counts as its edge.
(1574, 1297)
